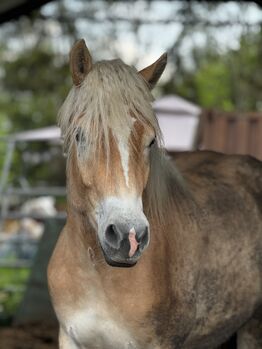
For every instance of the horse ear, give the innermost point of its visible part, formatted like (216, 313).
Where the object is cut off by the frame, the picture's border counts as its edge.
(153, 72)
(80, 62)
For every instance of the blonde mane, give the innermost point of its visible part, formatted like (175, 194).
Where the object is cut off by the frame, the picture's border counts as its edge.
(111, 93)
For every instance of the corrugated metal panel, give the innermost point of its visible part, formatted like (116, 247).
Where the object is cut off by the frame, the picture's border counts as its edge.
(231, 133)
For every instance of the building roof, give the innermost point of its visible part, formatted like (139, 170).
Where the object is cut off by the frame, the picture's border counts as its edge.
(178, 120)
(175, 105)
(40, 134)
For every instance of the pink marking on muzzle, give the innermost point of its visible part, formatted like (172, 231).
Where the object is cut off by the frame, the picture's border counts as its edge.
(133, 243)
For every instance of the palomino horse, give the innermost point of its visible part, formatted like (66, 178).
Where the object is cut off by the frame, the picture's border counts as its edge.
(154, 254)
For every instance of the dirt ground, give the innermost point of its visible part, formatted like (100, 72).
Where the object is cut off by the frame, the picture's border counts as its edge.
(28, 337)
(45, 337)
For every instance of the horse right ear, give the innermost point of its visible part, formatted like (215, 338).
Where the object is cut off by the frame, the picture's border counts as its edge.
(153, 72)
(80, 62)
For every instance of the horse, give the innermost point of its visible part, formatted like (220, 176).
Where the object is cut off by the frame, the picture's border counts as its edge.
(157, 252)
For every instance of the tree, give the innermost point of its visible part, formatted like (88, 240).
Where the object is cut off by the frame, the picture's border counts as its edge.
(227, 81)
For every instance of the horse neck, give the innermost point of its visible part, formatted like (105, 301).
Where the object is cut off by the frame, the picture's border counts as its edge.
(167, 198)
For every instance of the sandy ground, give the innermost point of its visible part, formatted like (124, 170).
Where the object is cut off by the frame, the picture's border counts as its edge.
(28, 337)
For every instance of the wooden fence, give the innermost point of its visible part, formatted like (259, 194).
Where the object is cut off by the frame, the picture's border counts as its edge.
(231, 133)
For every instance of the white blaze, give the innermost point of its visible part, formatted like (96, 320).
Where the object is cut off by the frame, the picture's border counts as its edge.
(124, 154)
(122, 138)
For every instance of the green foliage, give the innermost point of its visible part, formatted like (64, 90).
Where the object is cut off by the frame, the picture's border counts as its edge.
(35, 83)
(11, 297)
(213, 86)
(227, 81)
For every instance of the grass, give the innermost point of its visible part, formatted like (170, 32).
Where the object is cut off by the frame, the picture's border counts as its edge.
(12, 286)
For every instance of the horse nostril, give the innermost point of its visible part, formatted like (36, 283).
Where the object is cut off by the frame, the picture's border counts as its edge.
(112, 236)
(142, 236)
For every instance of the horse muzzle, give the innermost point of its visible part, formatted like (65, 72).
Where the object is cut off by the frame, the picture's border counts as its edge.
(123, 246)
(123, 230)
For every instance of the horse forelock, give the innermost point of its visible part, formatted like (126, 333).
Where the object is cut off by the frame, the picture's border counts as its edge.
(110, 96)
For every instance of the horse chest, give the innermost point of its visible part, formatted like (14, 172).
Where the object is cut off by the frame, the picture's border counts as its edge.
(95, 329)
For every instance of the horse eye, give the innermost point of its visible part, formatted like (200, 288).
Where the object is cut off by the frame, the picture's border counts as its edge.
(152, 142)
(77, 136)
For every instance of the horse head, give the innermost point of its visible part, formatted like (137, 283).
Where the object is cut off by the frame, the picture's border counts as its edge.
(110, 131)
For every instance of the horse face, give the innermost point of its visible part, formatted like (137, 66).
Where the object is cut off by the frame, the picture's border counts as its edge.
(114, 170)
(114, 189)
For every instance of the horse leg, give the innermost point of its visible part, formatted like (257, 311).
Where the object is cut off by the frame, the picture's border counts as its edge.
(65, 341)
(250, 335)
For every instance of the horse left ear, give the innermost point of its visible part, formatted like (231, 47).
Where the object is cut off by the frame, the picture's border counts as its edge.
(153, 72)
(80, 62)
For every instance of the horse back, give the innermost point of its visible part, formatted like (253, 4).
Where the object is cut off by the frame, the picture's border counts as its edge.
(228, 188)
(212, 176)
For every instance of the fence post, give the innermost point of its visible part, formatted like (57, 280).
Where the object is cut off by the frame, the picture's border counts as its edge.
(36, 306)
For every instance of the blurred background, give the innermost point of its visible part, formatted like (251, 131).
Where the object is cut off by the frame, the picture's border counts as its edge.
(210, 97)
